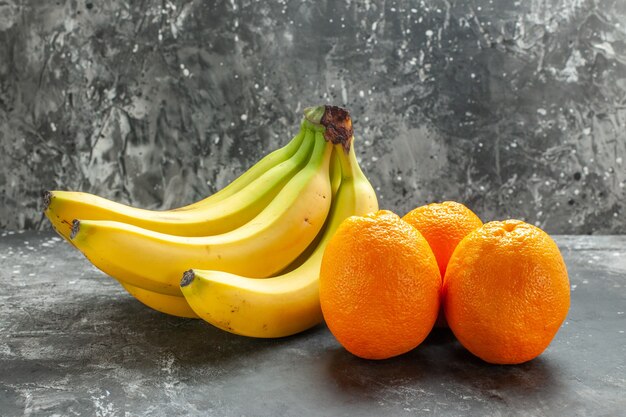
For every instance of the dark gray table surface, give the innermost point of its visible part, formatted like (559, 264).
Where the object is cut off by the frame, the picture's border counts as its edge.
(72, 342)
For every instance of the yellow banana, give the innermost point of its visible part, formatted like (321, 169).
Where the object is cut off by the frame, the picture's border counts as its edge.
(335, 172)
(178, 306)
(169, 304)
(174, 305)
(222, 212)
(286, 304)
(260, 248)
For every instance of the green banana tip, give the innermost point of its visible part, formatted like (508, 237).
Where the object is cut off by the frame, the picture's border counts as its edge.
(75, 228)
(336, 121)
(188, 277)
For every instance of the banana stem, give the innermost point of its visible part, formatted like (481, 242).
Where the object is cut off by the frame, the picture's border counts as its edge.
(47, 199)
(336, 122)
(314, 114)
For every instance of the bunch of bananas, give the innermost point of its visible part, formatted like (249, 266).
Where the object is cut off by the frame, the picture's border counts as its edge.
(255, 246)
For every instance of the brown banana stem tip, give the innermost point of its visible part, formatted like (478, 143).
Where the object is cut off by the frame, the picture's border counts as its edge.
(75, 228)
(47, 199)
(338, 124)
(188, 277)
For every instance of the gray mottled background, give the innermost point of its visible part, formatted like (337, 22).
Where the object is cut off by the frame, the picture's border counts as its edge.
(516, 108)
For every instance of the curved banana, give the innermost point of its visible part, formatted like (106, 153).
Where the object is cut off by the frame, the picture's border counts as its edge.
(335, 173)
(260, 248)
(222, 212)
(178, 306)
(168, 304)
(286, 304)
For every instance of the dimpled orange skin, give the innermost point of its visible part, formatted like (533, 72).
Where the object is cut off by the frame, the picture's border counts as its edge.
(379, 286)
(506, 292)
(443, 225)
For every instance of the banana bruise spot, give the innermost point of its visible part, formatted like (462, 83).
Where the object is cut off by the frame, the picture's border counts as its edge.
(188, 277)
(75, 228)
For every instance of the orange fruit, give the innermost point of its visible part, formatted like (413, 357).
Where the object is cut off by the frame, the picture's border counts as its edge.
(506, 292)
(443, 225)
(379, 286)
